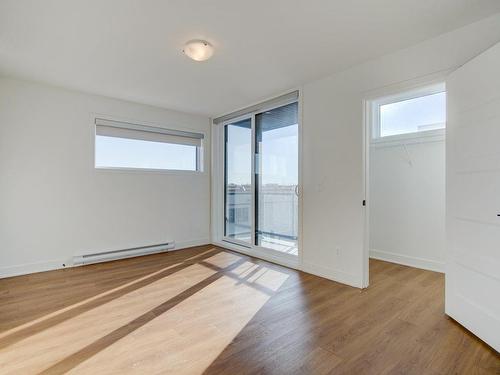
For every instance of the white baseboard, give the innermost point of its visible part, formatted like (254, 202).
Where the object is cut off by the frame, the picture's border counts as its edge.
(27, 268)
(327, 273)
(333, 274)
(51, 265)
(192, 243)
(426, 264)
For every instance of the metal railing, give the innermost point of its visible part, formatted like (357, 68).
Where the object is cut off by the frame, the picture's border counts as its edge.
(277, 211)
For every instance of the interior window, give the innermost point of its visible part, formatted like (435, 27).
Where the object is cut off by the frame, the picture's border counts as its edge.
(401, 115)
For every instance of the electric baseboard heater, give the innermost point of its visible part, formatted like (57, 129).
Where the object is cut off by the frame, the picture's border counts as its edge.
(121, 254)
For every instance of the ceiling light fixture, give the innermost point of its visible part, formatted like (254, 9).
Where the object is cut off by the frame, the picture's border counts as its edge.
(198, 50)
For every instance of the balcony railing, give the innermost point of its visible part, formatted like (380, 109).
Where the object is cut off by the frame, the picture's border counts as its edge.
(277, 215)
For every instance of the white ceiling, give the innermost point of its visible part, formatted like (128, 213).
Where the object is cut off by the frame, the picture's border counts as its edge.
(132, 49)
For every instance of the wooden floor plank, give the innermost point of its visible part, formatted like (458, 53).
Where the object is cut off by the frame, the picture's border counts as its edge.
(209, 310)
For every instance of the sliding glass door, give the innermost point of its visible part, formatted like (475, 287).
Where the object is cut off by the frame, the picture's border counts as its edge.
(261, 203)
(276, 178)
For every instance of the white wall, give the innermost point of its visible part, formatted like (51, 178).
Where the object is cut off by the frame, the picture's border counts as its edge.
(54, 204)
(407, 203)
(332, 148)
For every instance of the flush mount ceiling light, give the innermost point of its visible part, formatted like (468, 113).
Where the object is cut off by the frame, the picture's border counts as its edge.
(198, 50)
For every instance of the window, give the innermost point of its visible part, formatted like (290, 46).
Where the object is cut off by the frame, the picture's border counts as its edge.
(131, 146)
(412, 112)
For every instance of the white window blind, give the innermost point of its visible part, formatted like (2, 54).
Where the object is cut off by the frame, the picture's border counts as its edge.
(125, 145)
(118, 129)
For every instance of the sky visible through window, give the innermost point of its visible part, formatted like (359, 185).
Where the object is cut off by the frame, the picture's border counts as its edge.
(115, 152)
(239, 153)
(279, 156)
(413, 115)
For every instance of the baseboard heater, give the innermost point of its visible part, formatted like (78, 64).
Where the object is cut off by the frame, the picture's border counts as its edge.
(120, 254)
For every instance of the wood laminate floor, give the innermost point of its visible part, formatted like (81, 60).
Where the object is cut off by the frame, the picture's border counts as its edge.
(206, 310)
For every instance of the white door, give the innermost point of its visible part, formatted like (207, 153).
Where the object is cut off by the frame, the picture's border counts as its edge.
(473, 196)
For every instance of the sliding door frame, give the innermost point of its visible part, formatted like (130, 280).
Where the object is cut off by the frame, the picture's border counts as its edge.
(219, 193)
(223, 126)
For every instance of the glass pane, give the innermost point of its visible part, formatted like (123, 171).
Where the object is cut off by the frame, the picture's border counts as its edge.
(413, 115)
(238, 181)
(113, 152)
(276, 175)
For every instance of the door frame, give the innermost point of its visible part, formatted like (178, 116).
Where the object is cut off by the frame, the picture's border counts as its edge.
(218, 193)
(369, 97)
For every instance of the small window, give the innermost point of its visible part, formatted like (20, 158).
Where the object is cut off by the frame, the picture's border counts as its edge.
(122, 145)
(412, 112)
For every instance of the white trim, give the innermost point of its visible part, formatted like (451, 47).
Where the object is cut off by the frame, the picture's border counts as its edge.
(296, 264)
(191, 243)
(300, 180)
(411, 93)
(51, 265)
(35, 267)
(333, 274)
(407, 85)
(253, 170)
(367, 114)
(397, 97)
(179, 172)
(406, 260)
(217, 175)
(427, 136)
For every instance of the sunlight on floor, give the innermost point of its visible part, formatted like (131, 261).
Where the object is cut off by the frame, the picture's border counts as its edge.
(57, 313)
(152, 329)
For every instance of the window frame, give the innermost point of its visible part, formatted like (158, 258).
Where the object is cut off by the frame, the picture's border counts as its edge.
(399, 97)
(200, 151)
(225, 237)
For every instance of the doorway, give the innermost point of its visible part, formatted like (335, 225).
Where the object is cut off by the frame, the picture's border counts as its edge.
(405, 177)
